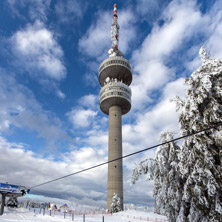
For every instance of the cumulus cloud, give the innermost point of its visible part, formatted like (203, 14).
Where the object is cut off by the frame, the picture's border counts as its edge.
(151, 10)
(19, 166)
(213, 30)
(161, 117)
(70, 10)
(81, 117)
(36, 9)
(60, 94)
(89, 101)
(20, 109)
(150, 61)
(207, 34)
(37, 51)
(127, 30)
(96, 41)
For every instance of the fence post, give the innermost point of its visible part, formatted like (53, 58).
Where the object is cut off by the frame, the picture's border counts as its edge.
(72, 216)
(83, 217)
(103, 219)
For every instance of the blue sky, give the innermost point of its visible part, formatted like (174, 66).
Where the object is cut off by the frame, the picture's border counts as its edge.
(50, 121)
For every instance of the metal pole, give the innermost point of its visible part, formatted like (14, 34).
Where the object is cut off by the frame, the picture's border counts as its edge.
(72, 216)
(83, 217)
(103, 218)
(3, 204)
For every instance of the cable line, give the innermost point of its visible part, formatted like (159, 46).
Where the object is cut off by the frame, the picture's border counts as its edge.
(128, 155)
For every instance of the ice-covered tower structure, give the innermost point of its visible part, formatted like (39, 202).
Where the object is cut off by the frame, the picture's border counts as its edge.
(115, 76)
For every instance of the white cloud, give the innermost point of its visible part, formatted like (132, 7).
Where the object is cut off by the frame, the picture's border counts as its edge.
(87, 157)
(161, 117)
(70, 10)
(213, 29)
(20, 109)
(18, 166)
(89, 101)
(153, 75)
(81, 117)
(36, 9)
(37, 51)
(96, 41)
(147, 6)
(164, 39)
(150, 61)
(127, 31)
(60, 94)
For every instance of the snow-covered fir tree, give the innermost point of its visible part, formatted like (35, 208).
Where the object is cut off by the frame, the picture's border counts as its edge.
(201, 154)
(188, 184)
(163, 169)
(115, 206)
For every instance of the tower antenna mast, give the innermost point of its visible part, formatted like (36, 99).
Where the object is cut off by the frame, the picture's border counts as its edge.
(114, 51)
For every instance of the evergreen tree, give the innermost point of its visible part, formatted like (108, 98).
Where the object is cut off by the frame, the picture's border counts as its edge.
(164, 171)
(115, 206)
(188, 181)
(201, 155)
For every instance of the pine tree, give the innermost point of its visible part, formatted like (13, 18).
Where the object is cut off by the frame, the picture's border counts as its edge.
(115, 206)
(201, 155)
(188, 180)
(164, 171)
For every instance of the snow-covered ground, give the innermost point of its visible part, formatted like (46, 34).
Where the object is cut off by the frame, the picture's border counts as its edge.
(22, 214)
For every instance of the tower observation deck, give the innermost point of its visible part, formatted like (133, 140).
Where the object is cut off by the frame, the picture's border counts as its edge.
(115, 77)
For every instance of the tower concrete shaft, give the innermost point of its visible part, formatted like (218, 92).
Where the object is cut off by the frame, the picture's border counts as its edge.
(115, 170)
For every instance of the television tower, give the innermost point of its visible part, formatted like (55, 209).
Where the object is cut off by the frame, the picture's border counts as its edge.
(115, 76)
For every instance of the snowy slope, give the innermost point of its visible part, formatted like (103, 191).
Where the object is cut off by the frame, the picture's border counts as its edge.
(22, 214)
